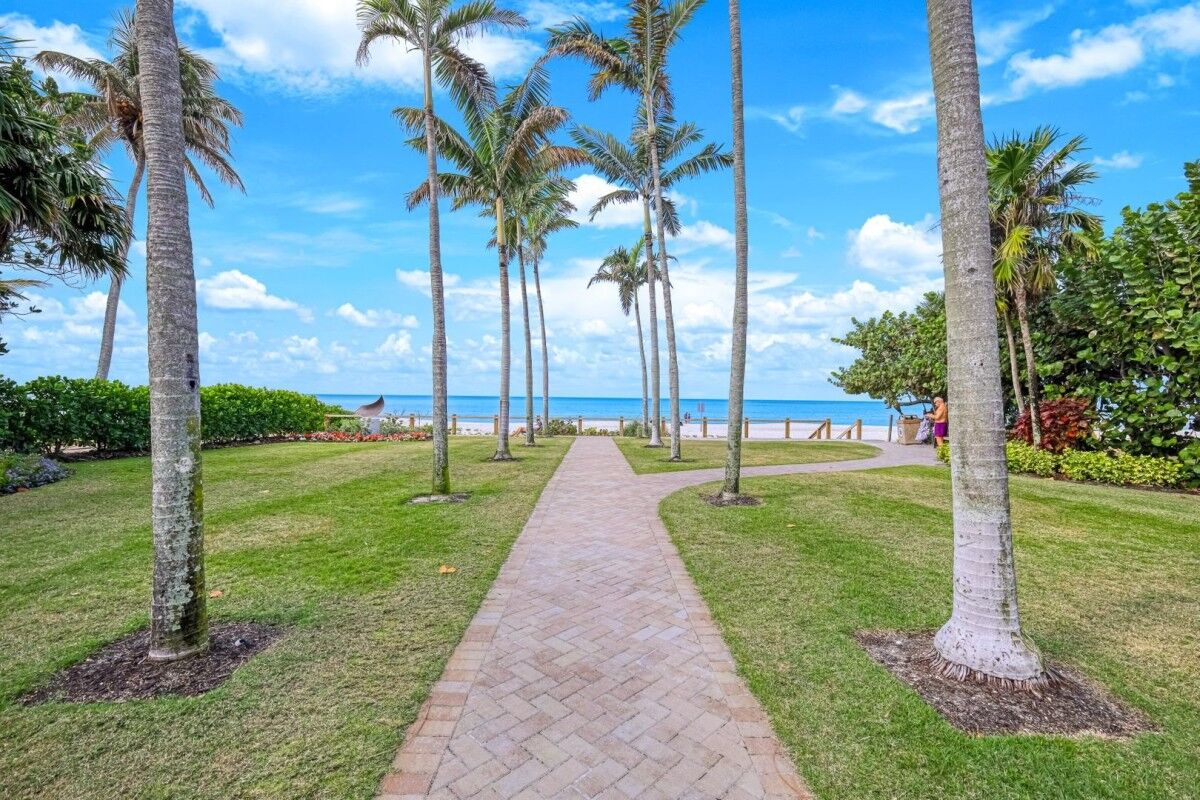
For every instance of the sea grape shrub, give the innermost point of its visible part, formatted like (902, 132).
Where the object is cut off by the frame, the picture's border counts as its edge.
(20, 472)
(49, 414)
(1066, 423)
(561, 427)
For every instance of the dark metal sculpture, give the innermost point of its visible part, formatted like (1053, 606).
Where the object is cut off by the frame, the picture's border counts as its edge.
(370, 409)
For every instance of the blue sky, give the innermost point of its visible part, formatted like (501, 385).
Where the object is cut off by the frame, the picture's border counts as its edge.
(314, 278)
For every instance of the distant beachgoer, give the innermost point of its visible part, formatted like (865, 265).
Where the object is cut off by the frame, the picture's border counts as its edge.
(941, 421)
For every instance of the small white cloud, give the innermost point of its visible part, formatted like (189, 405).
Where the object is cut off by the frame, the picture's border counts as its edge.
(849, 102)
(397, 345)
(588, 191)
(813, 233)
(791, 252)
(332, 204)
(419, 279)
(904, 114)
(207, 341)
(594, 327)
(994, 42)
(702, 234)
(374, 318)
(235, 290)
(896, 249)
(59, 36)
(1121, 160)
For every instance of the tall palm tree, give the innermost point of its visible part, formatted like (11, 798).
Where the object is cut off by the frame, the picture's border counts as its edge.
(983, 636)
(1035, 190)
(627, 166)
(638, 63)
(431, 27)
(737, 369)
(534, 191)
(548, 216)
(113, 112)
(625, 268)
(506, 141)
(178, 620)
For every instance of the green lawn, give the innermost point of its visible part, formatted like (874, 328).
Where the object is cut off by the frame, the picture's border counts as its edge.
(1109, 583)
(318, 537)
(707, 454)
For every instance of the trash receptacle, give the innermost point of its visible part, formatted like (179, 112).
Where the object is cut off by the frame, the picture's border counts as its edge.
(907, 430)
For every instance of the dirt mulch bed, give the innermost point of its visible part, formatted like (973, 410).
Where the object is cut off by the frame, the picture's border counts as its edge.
(1070, 705)
(721, 502)
(121, 672)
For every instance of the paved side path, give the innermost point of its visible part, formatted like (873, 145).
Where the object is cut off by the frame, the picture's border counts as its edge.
(593, 668)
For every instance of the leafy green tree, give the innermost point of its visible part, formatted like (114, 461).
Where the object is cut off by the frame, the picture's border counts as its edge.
(624, 268)
(902, 357)
(113, 112)
(1125, 329)
(58, 215)
(435, 29)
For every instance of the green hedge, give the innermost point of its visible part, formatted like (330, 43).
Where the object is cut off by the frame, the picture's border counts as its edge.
(48, 414)
(1121, 469)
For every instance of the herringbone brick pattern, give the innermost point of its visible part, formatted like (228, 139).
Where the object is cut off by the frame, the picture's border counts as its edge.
(593, 669)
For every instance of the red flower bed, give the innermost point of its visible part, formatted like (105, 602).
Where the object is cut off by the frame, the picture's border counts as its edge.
(341, 436)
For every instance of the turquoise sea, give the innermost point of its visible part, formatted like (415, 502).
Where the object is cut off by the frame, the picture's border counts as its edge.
(840, 411)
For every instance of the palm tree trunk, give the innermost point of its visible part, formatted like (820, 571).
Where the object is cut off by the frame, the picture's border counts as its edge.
(441, 437)
(737, 368)
(1012, 364)
(983, 635)
(529, 435)
(537, 287)
(1031, 373)
(637, 313)
(178, 616)
(502, 451)
(655, 377)
(109, 333)
(672, 353)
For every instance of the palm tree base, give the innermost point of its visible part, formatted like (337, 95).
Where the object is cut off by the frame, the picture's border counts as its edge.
(503, 457)
(725, 499)
(1000, 658)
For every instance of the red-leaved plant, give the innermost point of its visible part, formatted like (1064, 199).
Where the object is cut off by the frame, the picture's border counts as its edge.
(1065, 421)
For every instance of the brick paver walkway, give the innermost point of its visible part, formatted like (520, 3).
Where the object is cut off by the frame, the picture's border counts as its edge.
(593, 668)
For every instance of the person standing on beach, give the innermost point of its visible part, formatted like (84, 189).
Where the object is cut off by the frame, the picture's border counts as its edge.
(941, 421)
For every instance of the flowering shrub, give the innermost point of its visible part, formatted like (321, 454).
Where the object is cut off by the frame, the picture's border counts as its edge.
(1065, 422)
(19, 472)
(344, 436)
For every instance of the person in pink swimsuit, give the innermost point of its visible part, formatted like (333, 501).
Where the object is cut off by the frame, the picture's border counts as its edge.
(941, 421)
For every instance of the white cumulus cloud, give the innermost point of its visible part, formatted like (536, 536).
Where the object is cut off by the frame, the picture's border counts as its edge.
(897, 249)
(234, 290)
(374, 318)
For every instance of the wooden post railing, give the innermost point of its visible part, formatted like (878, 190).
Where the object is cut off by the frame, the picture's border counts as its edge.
(787, 428)
(828, 429)
(412, 422)
(621, 427)
(858, 429)
(495, 425)
(580, 426)
(746, 428)
(704, 427)
(454, 424)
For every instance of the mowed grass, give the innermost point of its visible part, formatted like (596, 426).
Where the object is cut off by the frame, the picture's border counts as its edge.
(1109, 584)
(317, 537)
(709, 454)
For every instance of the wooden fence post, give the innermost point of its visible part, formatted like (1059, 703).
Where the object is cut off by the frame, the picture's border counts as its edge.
(704, 428)
(787, 428)
(858, 430)
(889, 427)
(746, 428)
(412, 422)
(621, 426)
(828, 429)
(495, 424)
(580, 424)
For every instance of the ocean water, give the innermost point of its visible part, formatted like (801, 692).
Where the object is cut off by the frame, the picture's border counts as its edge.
(841, 412)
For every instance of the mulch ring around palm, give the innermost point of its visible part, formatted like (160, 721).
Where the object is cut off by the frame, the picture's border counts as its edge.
(1068, 706)
(122, 672)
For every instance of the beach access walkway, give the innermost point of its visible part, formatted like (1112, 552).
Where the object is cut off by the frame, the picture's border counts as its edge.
(593, 669)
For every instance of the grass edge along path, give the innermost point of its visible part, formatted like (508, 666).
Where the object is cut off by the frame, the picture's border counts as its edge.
(317, 537)
(710, 454)
(1107, 581)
